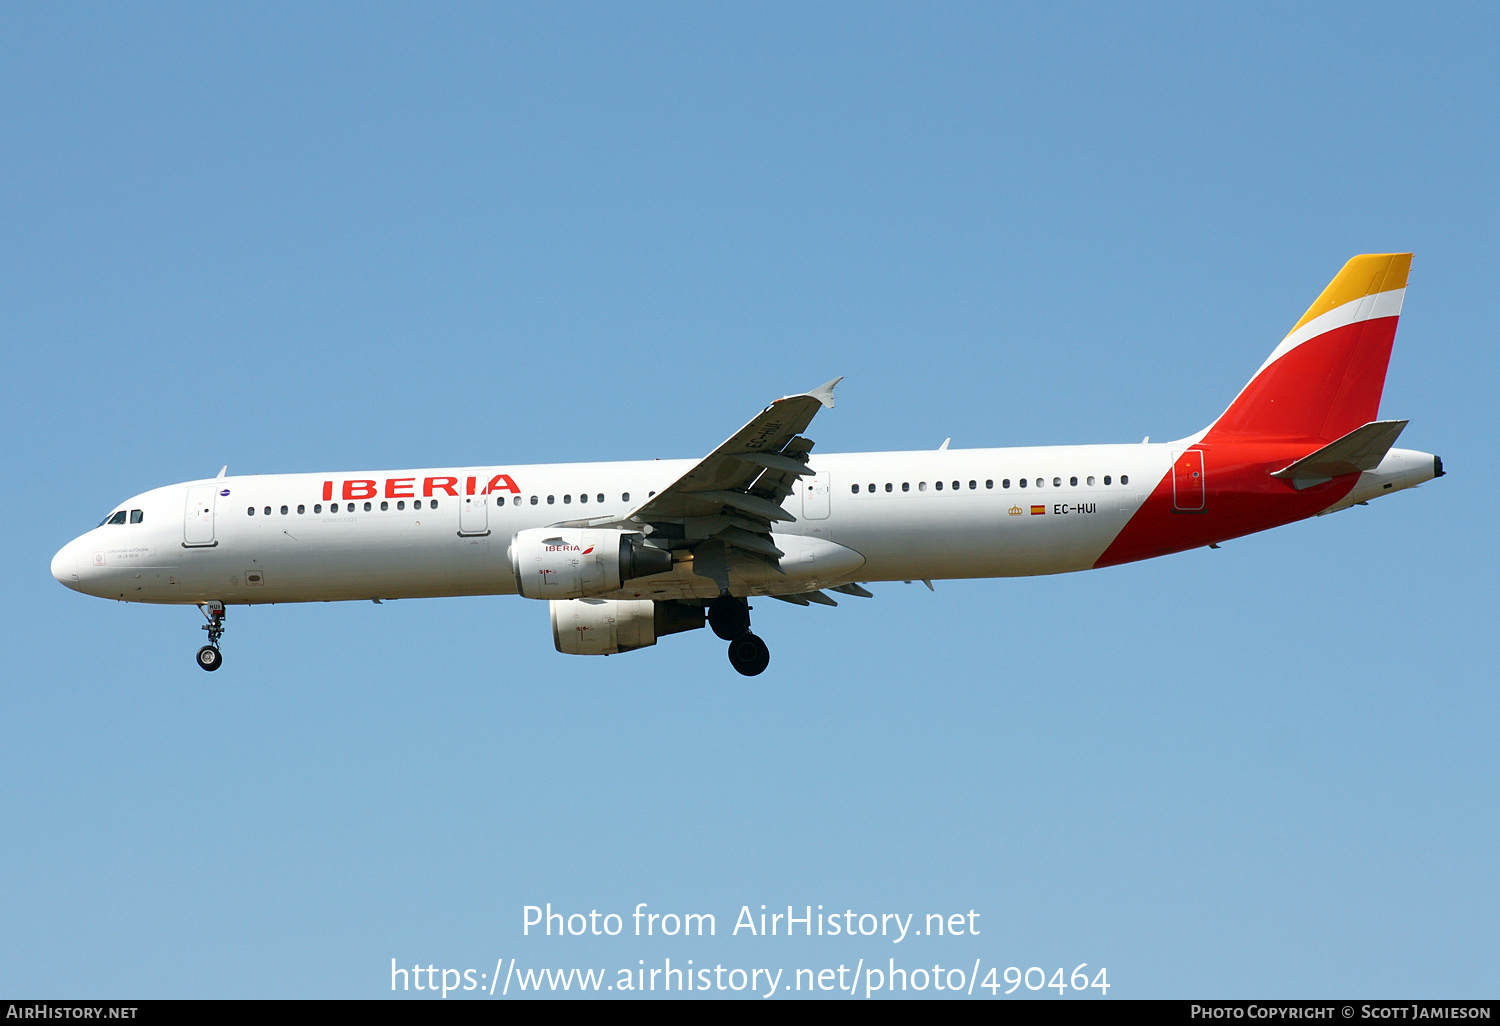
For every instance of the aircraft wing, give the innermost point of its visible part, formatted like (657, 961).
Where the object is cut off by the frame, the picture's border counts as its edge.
(725, 507)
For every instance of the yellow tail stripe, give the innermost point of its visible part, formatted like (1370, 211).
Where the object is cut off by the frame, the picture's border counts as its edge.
(1362, 276)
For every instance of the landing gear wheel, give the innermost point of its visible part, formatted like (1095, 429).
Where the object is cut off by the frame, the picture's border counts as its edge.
(749, 655)
(729, 617)
(209, 656)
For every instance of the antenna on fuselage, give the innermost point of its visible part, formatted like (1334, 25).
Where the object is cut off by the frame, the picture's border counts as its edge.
(222, 471)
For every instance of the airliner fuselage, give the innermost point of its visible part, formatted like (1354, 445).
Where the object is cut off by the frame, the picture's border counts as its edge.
(627, 552)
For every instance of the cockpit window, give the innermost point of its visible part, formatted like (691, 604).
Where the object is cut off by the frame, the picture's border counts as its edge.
(136, 516)
(118, 518)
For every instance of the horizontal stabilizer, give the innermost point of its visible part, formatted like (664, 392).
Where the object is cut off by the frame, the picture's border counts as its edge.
(1360, 450)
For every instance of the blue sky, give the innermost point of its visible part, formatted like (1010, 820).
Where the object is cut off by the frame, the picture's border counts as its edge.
(293, 238)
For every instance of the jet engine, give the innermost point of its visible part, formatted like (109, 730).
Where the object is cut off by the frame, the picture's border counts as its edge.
(571, 562)
(593, 626)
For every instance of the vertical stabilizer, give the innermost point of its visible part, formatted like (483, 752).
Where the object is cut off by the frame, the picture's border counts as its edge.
(1325, 378)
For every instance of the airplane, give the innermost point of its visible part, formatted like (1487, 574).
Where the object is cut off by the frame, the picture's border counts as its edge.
(626, 553)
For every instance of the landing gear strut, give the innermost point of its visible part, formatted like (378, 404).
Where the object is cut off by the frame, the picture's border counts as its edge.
(209, 656)
(730, 619)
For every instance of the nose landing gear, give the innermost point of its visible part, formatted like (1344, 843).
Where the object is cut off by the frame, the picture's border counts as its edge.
(730, 619)
(209, 656)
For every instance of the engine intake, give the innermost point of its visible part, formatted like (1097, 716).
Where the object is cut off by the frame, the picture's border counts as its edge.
(565, 563)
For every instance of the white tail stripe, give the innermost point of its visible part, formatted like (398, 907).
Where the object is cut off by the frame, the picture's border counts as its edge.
(1381, 304)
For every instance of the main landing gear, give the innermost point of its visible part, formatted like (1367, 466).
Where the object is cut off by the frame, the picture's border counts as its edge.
(209, 656)
(729, 617)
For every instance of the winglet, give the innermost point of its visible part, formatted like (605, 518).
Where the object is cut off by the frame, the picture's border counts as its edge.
(824, 393)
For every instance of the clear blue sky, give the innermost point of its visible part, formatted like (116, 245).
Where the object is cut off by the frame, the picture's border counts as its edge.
(297, 238)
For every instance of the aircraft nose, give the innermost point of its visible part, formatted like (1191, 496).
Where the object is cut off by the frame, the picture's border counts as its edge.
(65, 565)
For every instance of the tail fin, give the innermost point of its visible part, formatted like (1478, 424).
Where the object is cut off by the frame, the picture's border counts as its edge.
(1325, 378)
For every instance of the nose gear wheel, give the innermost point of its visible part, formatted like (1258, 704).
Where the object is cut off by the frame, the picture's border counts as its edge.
(209, 656)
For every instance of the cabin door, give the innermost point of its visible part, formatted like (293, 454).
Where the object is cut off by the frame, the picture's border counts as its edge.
(1187, 482)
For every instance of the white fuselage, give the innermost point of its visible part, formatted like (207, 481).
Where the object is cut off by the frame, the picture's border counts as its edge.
(419, 533)
(914, 525)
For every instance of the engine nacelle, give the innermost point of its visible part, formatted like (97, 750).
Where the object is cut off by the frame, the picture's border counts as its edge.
(572, 562)
(593, 626)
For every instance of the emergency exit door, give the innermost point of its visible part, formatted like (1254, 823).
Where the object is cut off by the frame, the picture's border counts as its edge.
(815, 497)
(1188, 494)
(474, 515)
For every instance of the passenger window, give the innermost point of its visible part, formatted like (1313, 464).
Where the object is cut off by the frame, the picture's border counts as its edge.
(1106, 479)
(431, 504)
(136, 516)
(551, 500)
(1057, 482)
(1023, 482)
(283, 511)
(401, 505)
(854, 489)
(956, 485)
(301, 509)
(1091, 480)
(384, 506)
(906, 486)
(416, 504)
(515, 500)
(599, 497)
(1005, 483)
(872, 487)
(533, 500)
(249, 512)
(268, 511)
(317, 507)
(367, 507)
(973, 485)
(991, 484)
(582, 498)
(1073, 482)
(624, 496)
(888, 486)
(1124, 478)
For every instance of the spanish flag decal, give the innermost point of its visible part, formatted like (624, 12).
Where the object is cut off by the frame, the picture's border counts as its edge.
(1037, 511)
